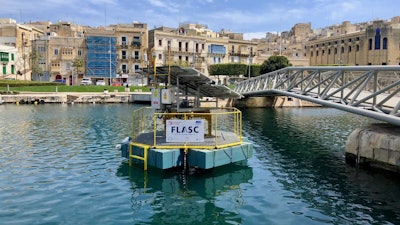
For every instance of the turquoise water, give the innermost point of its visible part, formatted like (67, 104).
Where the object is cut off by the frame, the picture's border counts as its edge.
(59, 165)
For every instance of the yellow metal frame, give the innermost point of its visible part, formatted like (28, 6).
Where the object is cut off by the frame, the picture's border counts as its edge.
(145, 123)
(145, 153)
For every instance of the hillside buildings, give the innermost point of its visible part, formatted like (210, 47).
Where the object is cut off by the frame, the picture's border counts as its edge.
(66, 52)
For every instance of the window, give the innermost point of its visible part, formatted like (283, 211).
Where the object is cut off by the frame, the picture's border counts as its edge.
(55, 51)
(159, 56)
(317, 53)
(384, 44)
(123, 40)
(136, 41)
(160, 42)
(136, 55)
(357, 48)
(349, 48)
(370, 44)
(136, 67)
(124, 69)
(329, 51)
(79, 52)
(378, 39)
(123, 54)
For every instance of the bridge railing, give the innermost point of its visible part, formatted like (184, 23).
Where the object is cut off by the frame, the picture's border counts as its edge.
(370, 88)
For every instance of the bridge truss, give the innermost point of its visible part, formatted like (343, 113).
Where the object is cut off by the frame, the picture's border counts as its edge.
(372, 91)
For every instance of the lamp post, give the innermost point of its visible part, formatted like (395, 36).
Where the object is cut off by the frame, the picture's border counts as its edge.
(250, 54)
(154, 70)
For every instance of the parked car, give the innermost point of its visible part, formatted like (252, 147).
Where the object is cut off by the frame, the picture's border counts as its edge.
(116, 84)
(86, 81)
(100, 83)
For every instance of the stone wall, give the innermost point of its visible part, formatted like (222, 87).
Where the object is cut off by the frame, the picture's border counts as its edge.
(375, 145)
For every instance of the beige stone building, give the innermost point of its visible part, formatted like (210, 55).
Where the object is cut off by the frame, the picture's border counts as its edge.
(17, 36)
(374, 43)
(132, 47)
(56, 56)
(194, 45)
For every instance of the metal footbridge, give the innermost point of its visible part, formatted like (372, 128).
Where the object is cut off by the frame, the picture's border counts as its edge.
(372, 91)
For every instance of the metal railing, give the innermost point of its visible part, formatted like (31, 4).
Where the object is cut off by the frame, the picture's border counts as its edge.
(222, 128)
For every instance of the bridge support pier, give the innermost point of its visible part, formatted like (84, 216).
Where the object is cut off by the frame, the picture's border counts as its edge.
(376, 146)
(254, 102)
(272, 102)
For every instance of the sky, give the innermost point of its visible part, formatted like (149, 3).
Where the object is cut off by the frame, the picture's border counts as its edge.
(252, 17)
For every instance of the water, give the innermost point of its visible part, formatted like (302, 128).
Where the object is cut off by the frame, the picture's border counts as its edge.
(59, 165)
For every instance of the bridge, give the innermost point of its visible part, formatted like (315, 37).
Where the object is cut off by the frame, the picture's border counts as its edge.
(371, 91)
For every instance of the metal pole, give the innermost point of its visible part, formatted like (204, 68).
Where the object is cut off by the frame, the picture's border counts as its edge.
(110, 63)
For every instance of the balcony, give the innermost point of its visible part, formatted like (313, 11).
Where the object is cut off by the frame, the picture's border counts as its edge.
(135, 59)
(136, 44)
(122, 45)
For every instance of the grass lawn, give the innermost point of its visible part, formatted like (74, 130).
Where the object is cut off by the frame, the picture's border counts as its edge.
(32, 86)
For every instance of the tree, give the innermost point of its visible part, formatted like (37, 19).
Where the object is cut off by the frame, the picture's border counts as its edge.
(78, 64)
(273, 63)
(35, 57)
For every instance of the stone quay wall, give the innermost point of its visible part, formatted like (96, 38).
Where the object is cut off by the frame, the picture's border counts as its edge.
(376, 146)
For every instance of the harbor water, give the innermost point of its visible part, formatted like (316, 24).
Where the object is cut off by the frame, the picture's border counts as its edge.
(59, 165)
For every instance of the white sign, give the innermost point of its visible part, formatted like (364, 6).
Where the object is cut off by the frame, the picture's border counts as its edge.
(155, 98)
(185, 130)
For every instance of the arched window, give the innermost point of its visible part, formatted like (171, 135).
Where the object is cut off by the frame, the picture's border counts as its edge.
(384, 44)
(378, 39)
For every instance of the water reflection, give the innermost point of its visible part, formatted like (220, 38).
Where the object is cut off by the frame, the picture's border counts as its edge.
(305, 153)
(180, 199)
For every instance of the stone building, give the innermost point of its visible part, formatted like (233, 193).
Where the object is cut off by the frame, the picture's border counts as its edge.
(375, 43)
(196, 46)
(18, 36)
(132, 43)
(56, 56)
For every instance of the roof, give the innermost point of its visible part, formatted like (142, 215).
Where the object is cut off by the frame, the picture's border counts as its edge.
(192, 82)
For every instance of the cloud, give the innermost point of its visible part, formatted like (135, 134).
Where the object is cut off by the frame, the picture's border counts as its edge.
(164, 4)
(250, 36)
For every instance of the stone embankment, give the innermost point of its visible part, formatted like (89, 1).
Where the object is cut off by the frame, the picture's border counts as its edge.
(76, 97)
(375, 145)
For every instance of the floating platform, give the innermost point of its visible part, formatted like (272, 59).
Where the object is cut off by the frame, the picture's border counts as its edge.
(178, 131)
(196, 157)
